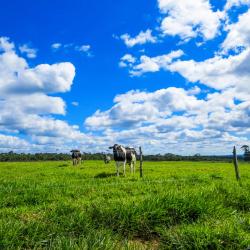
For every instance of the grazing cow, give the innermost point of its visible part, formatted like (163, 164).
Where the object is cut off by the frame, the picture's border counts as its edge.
(107, 159)
(76, 157)
(122, 156)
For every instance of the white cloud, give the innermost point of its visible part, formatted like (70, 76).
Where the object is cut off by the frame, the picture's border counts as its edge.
(149, 64)
(32, 104)
(17, 77)
(26, 50)
(232, 3)
(75, 104)
(238, 34)
(218, 72)
(220, 119)
(161, 120)
(56, 45)
(127, 60)
(189, 19)
(84, 48)
(9, 143)
(169, 117)
(136, 108)
(166, 120)
(49, 78)
(26, 107)
(5, 44)
(142, 38)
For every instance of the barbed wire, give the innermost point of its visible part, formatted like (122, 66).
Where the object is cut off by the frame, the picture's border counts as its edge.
(94, 184)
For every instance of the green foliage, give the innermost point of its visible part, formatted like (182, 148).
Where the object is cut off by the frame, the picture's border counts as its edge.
(247, 156)
(177, 205)
(15, 157)
(21, 157)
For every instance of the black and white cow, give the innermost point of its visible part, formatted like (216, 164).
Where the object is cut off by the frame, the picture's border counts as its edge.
(122, 156)
(76, 157)
(107, 159)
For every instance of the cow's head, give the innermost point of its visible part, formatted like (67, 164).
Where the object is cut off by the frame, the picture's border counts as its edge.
(116, 147)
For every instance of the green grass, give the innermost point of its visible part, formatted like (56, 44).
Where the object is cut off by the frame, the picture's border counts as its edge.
(177, 205)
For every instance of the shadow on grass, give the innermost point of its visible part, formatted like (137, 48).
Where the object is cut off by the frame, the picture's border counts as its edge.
(105, 175)
(216, 177)
(63, 165)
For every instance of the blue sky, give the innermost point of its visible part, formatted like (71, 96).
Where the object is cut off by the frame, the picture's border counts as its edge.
(171, 76)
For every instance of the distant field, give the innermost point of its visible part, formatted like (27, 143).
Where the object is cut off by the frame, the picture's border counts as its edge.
(177, 205)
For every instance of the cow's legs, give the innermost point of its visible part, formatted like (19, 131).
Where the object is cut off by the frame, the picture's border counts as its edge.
(124, 168)
(117, 168)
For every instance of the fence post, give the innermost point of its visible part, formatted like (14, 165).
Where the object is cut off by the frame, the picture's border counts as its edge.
(236, 167)
(141, 171)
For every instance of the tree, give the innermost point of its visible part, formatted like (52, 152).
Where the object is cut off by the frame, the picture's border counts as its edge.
(246, 150)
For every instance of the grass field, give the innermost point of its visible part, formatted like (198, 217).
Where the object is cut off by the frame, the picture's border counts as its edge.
(177, 205)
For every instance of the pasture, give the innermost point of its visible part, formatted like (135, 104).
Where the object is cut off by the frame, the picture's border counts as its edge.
(177, 205)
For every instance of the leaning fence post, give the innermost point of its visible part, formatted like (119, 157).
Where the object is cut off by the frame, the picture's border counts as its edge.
(236, 167)
(141, 171)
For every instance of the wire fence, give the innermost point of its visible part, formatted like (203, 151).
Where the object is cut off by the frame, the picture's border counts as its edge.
(93, 184)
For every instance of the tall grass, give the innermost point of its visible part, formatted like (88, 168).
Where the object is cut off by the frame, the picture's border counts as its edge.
(177, 205)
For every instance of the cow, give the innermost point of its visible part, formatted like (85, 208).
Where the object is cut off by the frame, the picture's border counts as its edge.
(76, 157)
(107, 159)
(122, 156)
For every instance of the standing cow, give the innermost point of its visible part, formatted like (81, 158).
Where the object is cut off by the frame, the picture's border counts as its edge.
(122, 156)
(76, 157)
(107, 159)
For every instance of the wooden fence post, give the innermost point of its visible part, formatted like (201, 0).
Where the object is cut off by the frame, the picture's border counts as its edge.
(236, 167)
(141, 171)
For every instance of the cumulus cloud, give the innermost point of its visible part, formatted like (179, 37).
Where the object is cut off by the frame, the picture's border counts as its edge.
(37, 103)
(6, 45)
(27, 107)
(28, 51)
(127, 60)
(208, 118)
(148, 64)
(16, 76)
(9, 143)
(219, 118)
(174, 116)
(238, 36)
(136, 108)
(189, 19)
(142, 38)
(218, 72)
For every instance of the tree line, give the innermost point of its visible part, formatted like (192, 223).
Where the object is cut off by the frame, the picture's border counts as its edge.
(12, 157)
